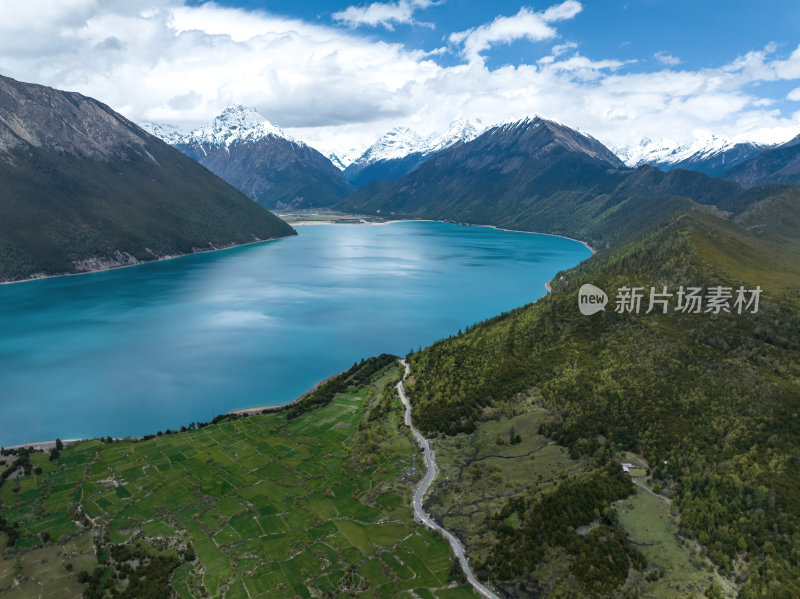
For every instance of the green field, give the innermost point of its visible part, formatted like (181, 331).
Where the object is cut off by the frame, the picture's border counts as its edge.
(316, 506)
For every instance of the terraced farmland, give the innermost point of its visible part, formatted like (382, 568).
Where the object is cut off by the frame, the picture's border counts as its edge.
(259, 506)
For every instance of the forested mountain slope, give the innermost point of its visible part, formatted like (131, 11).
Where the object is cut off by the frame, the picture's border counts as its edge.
(710, 400)
(83, 189)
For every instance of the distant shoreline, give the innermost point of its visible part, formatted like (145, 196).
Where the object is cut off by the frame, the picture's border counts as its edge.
(293, 224)
(153, 261)
(296, 223)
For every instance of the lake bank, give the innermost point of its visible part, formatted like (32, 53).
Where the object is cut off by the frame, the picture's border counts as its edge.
(153, 261)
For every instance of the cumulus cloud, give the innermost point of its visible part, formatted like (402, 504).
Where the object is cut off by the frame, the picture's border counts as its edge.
(526, 24)
(183, 64)
(667, 59)
(794, 95)
(166, 61)
(386, 14)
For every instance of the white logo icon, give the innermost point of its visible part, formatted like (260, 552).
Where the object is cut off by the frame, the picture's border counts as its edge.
(591, 299)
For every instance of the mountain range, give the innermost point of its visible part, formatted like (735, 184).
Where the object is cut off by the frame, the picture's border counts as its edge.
(776, 164)
(85, 189)
(710, 155)
(265, 163)
(402, 150)
(539, 175)
(260, 160)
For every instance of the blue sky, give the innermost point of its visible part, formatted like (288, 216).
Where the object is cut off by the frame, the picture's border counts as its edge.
(704, 33)
(339, 74)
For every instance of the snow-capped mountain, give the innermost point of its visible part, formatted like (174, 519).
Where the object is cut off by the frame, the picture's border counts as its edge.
(335, 160)
(261, 160)
(712, 155)
(236, 123)
(342, 160)
(402, 150)
(460, 131)
(777, 164)
(164, 131)
(667, 151)
(397, 143)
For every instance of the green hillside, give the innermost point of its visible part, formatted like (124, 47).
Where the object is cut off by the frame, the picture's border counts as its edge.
(709, 403)
(83, 189)
(59, 212)
(310, 501)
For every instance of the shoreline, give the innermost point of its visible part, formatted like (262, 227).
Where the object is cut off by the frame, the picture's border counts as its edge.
(46, 445)
(298, 399)
(154, 261)
(446, 222)
(363, 222)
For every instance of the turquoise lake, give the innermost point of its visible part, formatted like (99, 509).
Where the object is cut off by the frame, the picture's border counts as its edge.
(137, 350)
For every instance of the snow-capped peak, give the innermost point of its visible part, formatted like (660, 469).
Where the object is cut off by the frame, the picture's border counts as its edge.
(397, 143)
(402, 141)
(460, 131)
(342, 160)
(164, 131)
(667, 151)
(235, 123)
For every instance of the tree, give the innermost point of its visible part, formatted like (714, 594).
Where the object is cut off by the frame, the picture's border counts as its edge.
(714, 591)
(59, 444)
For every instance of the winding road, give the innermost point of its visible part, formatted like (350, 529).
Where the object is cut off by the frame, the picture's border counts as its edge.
(419, 494)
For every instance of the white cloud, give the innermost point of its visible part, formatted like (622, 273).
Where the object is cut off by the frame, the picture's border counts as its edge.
(387, 14)
(794, 95)
(560, 12)
(667, 59)
(164, 61)
(526, 24)
(560, 49)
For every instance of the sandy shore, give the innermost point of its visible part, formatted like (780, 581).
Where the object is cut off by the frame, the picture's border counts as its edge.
(272, 408)
(45, 445)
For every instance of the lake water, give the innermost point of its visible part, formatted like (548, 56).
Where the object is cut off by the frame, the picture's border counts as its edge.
(157, 346)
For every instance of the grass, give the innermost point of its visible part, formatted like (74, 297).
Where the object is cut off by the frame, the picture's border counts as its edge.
(271, 507)
(650, 524)
(43, 571)
(477, 474)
